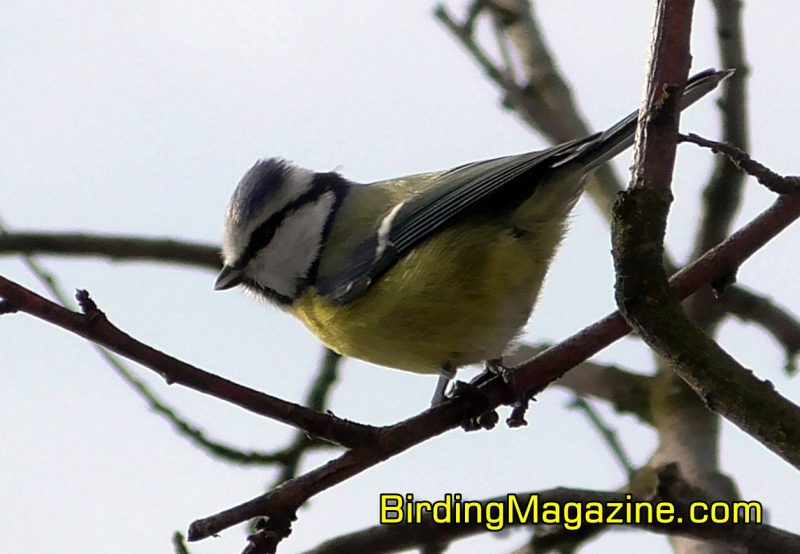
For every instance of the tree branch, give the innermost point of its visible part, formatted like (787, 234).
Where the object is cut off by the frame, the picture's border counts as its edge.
(117, 248)
(94, 326)
(626, 391)
(722, 195)
(643, 294)
(742, 161)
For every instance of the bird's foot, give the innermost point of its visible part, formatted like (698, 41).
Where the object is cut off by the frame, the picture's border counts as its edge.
(488, 417)
(507, 374)
(509, 377)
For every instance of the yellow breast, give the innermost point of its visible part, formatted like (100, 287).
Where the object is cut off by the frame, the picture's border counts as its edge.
(460, 298)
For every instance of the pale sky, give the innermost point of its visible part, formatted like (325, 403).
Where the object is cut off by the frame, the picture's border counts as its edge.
(140, 117)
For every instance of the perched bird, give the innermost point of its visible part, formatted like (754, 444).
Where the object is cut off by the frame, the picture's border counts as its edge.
(426, 272)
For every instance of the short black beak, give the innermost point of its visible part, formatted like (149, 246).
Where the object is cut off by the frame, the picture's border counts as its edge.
(228, 278)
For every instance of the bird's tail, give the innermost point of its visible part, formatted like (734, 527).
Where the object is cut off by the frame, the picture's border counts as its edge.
(601, 147)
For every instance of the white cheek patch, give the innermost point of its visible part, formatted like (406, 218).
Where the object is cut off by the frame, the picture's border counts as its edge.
(235, 236)
(294, 248)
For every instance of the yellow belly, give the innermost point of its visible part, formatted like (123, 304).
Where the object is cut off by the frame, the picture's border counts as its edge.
(459, 299)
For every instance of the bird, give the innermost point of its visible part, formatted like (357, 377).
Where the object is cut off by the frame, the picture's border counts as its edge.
(427, 272)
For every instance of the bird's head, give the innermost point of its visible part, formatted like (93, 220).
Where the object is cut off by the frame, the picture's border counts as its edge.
(275, 227)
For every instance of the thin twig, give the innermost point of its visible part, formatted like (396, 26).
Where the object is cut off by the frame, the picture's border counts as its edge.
(117, 248)
(97, 328)
(191, 432)
(773, 181)
(608, 434)
(317, 399)
(752, 307)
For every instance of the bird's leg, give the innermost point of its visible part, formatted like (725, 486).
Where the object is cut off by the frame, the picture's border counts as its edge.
(446, 374)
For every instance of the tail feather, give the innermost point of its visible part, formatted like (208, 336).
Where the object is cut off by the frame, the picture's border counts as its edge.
(605, 145)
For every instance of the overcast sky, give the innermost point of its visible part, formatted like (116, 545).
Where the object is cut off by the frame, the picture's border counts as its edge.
(140, 117)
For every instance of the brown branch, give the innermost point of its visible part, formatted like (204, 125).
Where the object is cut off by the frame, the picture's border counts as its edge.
(722, 196)
(287, 457)
(117, 248)
(94, 326)
(534, 375)
(626, 391)
(643, 294)
(741, 160)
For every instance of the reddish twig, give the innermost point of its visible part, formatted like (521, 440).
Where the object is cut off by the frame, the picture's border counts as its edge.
(739, 158)
(93, 325)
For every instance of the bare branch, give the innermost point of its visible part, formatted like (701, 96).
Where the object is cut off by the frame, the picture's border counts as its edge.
(534, 375)
(179, 543)
(741, 160)
(606, 432)
(642, 291)
(286, 457)
(722, 195)
(118, 248)
(626, 391)
(317, 399)
(95, 326)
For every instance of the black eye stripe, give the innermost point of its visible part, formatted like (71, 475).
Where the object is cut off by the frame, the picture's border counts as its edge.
(264, 233)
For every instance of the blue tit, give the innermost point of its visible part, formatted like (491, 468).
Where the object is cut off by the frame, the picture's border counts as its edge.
(425, 273)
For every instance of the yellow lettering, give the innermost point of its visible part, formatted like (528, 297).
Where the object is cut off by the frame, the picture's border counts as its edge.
(648, 507)
(593, 512)
(441, 510)
(744, 510)
(693, 512)
(551, 513)
(514, 508)
(572, 516)
(665, 512)
(391, 508)
(478, 508)
(494, 522)
(716, 509)
(615, 507)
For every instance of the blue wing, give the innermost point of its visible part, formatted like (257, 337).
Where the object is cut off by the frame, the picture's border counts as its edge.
(501, 182)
